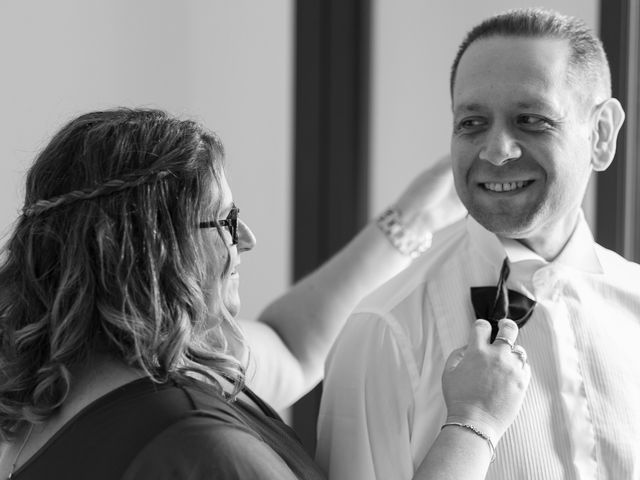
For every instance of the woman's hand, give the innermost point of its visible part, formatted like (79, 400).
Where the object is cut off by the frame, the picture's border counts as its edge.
(484, 384)
(291, 342)
(430, 202)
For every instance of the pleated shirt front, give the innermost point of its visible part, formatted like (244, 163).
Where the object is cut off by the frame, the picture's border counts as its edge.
(382, 405)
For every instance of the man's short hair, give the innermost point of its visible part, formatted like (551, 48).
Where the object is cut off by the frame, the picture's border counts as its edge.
(588, 61)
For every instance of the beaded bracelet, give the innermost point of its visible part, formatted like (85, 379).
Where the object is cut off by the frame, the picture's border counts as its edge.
(405, 241)
(480, 433)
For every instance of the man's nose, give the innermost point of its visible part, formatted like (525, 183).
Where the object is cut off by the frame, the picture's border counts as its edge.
(246, 238)
(500, 146)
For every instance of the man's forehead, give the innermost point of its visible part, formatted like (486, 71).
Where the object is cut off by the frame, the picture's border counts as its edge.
(526, 70)
(518, 57)
(507, 48)
(532, 101)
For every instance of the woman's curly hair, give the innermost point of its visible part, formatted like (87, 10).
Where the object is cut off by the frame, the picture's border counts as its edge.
(107, 257)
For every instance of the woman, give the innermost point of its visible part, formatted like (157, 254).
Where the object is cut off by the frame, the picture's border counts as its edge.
(120, 354)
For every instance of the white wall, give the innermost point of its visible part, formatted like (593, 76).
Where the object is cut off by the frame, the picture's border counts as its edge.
(414, 44)
(226, 63)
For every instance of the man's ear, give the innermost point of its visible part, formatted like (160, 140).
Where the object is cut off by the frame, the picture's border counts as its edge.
(606, 125)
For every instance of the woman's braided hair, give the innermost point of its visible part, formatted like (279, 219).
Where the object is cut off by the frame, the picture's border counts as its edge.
(106, 257)
(107, 188)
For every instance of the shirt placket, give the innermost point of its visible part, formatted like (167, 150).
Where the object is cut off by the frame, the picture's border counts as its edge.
(549, 288)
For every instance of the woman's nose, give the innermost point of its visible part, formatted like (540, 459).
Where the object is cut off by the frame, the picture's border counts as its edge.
(246, 238)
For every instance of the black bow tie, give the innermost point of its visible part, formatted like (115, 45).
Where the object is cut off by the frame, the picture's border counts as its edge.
(495, 303)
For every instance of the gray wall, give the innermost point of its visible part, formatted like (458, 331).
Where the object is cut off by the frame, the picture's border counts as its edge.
(227, 63)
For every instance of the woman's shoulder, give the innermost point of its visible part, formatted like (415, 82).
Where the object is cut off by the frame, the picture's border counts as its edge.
(231, 439)
(120, 424)
(205, 444)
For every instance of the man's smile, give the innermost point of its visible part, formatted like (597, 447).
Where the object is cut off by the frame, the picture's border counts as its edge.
(506, 186)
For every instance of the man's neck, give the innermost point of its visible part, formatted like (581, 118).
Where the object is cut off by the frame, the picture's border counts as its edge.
(549, 242)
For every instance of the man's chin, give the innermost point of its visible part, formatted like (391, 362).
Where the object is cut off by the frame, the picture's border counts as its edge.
(507, 226)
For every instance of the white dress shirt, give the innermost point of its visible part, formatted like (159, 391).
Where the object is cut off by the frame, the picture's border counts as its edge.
(382, 405)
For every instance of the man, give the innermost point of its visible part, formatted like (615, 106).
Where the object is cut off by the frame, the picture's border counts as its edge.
(533, 117)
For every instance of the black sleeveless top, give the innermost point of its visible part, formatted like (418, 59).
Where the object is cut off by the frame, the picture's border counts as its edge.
(183, 429)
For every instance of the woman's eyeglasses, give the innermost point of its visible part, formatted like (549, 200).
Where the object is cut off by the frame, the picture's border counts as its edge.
(231, 222)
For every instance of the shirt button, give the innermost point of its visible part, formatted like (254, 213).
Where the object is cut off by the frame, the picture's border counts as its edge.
(541, 277)
(545, 282)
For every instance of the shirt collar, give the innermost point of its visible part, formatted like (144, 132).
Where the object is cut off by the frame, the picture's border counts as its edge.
(579, 252)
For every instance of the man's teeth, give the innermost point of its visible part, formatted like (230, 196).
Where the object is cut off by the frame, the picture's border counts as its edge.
(504, 187)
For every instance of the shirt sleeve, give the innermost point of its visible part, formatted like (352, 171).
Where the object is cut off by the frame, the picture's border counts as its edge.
(198, 449)
(365, 415)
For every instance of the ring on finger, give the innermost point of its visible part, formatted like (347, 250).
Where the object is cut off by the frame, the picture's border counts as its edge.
(505, 340)
(520, 351)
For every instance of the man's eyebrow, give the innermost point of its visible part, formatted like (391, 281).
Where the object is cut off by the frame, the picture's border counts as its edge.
(475, 107)
(468, 107)
(535, 104)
